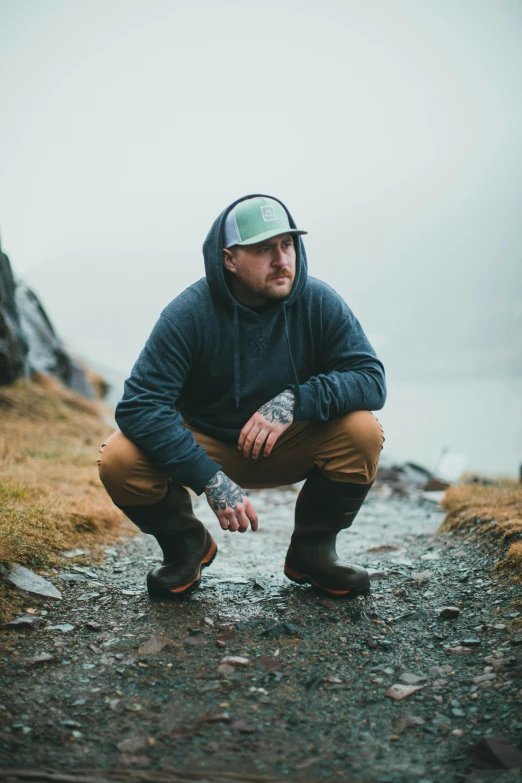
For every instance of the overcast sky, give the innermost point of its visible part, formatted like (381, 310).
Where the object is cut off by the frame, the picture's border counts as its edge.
(390, 128)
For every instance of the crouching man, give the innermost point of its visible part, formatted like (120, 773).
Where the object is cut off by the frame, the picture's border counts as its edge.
(256, 376)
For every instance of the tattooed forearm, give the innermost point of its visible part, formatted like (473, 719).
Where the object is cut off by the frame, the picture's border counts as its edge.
(281, 408)
(222, 492)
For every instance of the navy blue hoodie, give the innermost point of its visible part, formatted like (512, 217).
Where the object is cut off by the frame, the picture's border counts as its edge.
(212, 362)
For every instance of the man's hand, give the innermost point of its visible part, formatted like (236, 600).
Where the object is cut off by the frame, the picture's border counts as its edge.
(228, 502)
(260, 433)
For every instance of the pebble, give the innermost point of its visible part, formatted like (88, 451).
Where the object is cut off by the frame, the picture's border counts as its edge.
(399, 692)
(25, 621)
(411, 679)
(24, 579)
(484, 678)
(449, 612)
(235, 660)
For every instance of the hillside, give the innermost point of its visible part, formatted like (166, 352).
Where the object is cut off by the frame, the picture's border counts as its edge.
(51, 499)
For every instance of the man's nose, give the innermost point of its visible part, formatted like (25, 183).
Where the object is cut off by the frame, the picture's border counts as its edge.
(278, 258)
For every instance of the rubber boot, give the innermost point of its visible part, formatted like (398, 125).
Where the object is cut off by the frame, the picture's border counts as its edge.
(187, 545)
(323, 508)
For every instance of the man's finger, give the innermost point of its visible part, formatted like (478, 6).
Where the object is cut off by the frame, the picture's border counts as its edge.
(249, 440)
(244, 432)
(233, 524)
(251, 514)
(242, 520)
(270, 443)
(259, 441)
(223, 522)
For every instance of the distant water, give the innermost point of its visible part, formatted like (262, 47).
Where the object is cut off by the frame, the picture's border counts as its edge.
(480, 418)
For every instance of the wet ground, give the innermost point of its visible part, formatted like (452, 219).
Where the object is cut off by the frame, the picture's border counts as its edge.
(124, 682)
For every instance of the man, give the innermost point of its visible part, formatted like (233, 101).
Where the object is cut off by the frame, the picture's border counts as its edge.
(255, 376)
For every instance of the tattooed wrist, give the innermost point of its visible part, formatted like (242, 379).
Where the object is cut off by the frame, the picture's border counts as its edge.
(222, 492)
(280, 409)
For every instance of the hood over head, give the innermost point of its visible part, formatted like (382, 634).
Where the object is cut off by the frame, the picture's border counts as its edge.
(213, 255)
(215, 272)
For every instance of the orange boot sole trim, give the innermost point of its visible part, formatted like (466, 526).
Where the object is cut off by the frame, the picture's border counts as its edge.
(295, 576)
(205, 562)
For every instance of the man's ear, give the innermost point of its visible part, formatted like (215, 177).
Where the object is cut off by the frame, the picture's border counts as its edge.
(229, 261)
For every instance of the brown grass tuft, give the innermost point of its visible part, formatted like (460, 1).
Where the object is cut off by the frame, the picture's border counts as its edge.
(494, 512)
(51, 498)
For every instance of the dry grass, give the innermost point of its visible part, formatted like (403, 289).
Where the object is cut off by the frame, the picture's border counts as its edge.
(494, 512)
(51, 498)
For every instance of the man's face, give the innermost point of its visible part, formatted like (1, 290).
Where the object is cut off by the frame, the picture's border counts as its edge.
(263, 272)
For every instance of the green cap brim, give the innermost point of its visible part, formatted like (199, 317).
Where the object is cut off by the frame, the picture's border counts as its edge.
(269, 234)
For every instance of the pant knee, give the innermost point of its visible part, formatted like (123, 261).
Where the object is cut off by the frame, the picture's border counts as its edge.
(129, 477)
(364, 438)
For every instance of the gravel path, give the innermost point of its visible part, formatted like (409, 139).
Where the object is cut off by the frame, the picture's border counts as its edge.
(111, 680)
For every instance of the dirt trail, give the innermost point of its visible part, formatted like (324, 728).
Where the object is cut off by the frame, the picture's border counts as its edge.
(128, 682)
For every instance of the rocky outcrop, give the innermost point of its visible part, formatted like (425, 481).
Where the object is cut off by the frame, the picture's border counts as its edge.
(28, 342)
(13, 343)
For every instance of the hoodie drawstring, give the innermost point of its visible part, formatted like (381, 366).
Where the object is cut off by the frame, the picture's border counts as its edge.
(296, 377)
(237, 387)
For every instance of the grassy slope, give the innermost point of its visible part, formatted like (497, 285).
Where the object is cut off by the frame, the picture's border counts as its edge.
(493, 513)
(51, 499)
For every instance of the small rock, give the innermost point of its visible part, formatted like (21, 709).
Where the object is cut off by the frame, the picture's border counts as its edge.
(83, 570)
(484, 678)
(208, 622)
(471, 642)
(23, 622)
(35, 660)
(243, 727)
(24, 579)
(225, 668)
(137, 761)
(441, 720)
(72, 577)
(74, 553)
(64, 628)
(88, 596)
(516, 640)
(154, 645)
(403, 721)
(459, 650)
(235, 660)
(458, 713)
(411, 679)
(92, 626)
(399, 692)
(449, 612)
(213, 717)
(133, 744)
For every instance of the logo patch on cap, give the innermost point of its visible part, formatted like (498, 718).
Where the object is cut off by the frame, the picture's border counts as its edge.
(268, 214)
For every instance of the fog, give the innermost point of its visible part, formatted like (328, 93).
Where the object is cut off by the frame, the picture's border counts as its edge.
(391, 129)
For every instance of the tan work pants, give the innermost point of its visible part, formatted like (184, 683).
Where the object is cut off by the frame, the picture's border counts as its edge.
(345, 450)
